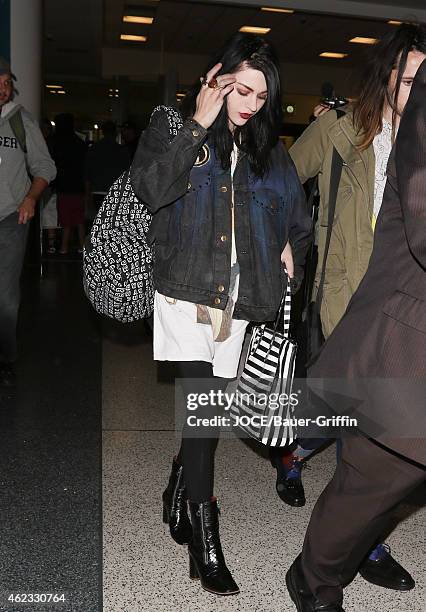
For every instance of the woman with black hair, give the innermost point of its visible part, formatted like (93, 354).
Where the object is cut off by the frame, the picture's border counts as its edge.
(227, 205)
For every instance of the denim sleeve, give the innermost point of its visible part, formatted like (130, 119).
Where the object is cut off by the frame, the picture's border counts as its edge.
(160, 170)
(300, 222)
(300, 225)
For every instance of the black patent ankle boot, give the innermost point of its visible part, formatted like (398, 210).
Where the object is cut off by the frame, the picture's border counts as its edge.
(206, 560)
(175, 511)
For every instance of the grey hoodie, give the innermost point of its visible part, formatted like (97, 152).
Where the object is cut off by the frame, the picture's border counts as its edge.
(15, 166)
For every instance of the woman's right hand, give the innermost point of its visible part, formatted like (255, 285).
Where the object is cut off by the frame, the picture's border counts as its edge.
(210, 101)
(321, 109)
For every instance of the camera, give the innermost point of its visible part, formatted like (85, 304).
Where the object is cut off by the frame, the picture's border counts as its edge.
(335, 102)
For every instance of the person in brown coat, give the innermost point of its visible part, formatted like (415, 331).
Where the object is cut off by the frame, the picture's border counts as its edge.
(382, 337)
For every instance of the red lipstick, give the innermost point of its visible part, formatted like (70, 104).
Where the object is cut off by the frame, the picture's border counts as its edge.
(245, 115)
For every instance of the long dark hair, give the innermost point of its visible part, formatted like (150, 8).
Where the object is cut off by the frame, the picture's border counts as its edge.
(389, 54)
(260, 134)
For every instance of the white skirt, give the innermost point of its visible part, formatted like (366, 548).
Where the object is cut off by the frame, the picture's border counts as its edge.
(178, 337)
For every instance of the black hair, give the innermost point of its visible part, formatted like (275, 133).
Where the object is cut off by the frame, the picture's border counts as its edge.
(260, 134)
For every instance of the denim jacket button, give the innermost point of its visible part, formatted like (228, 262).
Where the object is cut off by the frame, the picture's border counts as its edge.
(223, 238)
(224, 189)
(195, 133)
(189, 186)
(217, 301)
(221, 288)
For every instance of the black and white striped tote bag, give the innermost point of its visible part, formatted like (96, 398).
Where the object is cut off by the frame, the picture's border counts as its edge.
(263, 404)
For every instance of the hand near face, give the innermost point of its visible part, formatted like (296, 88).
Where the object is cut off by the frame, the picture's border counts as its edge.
(210, 100)
(321, 109)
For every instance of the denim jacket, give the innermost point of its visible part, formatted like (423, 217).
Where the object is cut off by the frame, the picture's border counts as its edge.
(190, 195)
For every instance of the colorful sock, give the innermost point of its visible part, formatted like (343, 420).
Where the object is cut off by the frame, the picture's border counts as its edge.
(288, 460)
(379, 552)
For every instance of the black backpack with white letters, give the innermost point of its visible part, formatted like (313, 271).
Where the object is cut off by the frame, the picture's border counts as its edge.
(117, 260)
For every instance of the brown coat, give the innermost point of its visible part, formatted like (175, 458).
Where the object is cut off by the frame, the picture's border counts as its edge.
(383, 332)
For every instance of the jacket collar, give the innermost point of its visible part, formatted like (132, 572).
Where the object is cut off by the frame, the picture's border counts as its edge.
(344, 136)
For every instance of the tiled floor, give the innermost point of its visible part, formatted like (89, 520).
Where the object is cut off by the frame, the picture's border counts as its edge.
(50, 449)
(145, 571)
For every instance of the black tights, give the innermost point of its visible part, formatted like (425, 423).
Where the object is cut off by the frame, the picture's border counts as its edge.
(199, 443)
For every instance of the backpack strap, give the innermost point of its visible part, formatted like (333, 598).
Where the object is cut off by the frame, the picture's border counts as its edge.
(17, 125)
(336, 173)
(123, 182)
(311, 263)
(174, 118)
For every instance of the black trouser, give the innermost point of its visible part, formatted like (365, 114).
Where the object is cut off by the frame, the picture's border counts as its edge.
(199, 443)
(13, 239)
(352, 512)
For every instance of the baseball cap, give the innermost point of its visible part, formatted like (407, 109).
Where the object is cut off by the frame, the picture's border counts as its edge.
(5, 68)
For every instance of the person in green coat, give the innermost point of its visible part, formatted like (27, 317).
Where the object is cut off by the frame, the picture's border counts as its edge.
(363, 137)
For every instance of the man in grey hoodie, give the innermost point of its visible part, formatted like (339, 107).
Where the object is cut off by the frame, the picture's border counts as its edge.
(26, 169)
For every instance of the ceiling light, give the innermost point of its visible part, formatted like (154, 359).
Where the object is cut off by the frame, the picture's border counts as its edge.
(52, 123)
(364, 41)
(54, 86)
(96, 126)
(133, 37)
(180, 95)
(53, 91)
(61, 91)
(334, 55)
(271, 9)
(254, 30)
(394, 22)
(136, 19)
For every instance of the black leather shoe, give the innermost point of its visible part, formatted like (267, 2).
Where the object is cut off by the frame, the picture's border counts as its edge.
(382, 569)
(7, 375)
(302, 596)
(289, 484)
(206, 560)
(175, 511)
